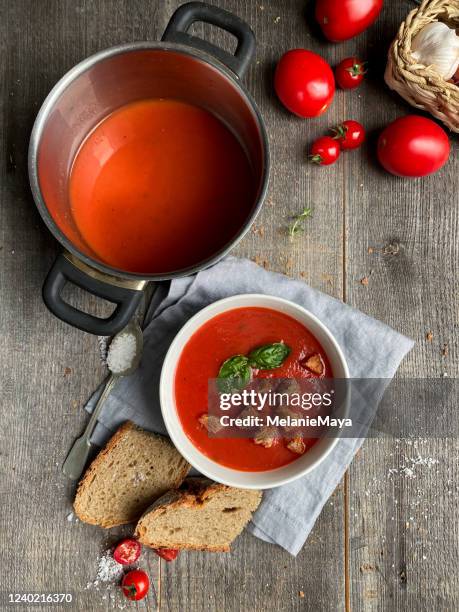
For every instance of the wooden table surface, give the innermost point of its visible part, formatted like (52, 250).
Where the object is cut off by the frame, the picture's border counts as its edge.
(384, 541)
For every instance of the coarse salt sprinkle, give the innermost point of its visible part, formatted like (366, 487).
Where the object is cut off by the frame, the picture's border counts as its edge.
(121, 353)
(108, 570)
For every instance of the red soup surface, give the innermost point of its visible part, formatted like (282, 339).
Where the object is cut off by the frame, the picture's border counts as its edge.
(238, 331)
(160, 185)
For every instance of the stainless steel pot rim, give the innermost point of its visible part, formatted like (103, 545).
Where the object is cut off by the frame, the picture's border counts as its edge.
(60, 87)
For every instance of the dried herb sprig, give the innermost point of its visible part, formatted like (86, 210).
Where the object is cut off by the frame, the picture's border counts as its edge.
(296, 227)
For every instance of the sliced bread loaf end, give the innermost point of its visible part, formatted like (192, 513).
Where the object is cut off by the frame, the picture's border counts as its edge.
(202, 515)
(135, 468)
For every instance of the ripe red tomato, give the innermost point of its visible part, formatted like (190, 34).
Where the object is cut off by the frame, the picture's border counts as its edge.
(349, 73)
(325, 151)
(168, 554)
(304, 83)
(413, 146)
(350, 135)
(135, 585)
(344, 19)
(127, 551)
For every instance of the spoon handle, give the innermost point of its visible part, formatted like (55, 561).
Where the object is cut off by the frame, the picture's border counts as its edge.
(76, 459)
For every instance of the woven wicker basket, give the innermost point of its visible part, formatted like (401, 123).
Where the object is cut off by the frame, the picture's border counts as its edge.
(420, 85)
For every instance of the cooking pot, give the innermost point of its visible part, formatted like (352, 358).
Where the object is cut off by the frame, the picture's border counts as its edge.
(181, 67)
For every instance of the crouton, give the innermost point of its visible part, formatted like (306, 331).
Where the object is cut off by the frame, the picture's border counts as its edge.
(314, 364)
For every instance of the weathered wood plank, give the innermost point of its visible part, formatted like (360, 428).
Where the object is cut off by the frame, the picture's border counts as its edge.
(258, 576)
(404, 545)
(42, 399)
(82, 28)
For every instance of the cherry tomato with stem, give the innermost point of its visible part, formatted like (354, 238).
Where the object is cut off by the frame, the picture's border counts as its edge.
(325, 151)
(413, 146)
(127, 551)
(350, 135)
(135, 584)
(304, 83)
(344, 19)
(350, 72)
(168, 554)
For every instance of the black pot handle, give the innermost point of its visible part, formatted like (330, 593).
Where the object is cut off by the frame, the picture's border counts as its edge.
(62, 272)
(187, 14)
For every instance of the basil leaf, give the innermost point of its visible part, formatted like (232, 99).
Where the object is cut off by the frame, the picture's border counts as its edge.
(269, 356)
(234, 373)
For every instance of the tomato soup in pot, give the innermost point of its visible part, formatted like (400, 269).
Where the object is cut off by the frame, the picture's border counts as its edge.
(160, 185)
(238, 332)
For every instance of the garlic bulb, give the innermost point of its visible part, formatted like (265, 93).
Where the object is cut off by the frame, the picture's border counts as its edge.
(437, 45)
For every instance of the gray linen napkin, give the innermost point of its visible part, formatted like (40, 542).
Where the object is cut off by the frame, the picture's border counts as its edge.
(372, 350)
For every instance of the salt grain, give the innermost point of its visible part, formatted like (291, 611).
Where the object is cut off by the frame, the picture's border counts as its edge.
(428, 461)
(121, 353)
(108, 570)
(410, 463)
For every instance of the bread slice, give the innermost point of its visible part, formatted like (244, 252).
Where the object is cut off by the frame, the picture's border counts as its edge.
(135, 468)
(201, 515)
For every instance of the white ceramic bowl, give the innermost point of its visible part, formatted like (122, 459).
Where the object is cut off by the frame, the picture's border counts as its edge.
(211, 469)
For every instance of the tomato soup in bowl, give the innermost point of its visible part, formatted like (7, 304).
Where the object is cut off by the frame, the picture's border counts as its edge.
(241, 343)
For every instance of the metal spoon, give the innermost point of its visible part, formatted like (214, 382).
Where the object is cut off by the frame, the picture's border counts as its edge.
(76, 459)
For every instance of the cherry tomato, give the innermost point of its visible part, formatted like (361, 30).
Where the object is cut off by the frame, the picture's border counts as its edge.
(325, 151)
(350, 135)
(304, 83)
(127, 551)
(413, 146)
(349, 73)
(135, 584)
(169, 554)
(344, 19)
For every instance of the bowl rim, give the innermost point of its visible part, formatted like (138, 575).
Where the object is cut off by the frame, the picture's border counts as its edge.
(167, 401)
